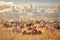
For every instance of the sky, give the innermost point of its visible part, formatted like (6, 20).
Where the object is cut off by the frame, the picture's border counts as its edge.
(44, 1)
(47, 7)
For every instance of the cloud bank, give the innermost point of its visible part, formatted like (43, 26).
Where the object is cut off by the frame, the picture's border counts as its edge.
(29, 11)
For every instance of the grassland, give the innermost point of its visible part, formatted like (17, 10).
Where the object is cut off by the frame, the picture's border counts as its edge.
(8, 34)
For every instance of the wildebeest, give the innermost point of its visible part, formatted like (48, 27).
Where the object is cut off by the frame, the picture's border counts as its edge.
(27, 32)
(31, 32)
(21, 25)
(38, 22)
(17, 29)
(7, 25)
(49, 26)
(36, 32)
(29, 24)
(56, 24)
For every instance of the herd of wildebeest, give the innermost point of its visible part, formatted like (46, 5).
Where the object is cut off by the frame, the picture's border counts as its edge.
(31, 26)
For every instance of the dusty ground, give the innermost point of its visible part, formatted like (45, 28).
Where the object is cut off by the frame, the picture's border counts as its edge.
(7, 34)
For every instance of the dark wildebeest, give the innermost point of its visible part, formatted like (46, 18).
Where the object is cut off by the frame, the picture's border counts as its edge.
(33, 32)
(21, 25)
(38, 22)
(36, 32)
(17, 29)
(56, 24)
(49, 26)
(29, 24)
(7, 25)
(27, 32)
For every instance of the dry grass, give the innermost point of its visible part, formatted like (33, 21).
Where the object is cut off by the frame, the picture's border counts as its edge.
(10, 35)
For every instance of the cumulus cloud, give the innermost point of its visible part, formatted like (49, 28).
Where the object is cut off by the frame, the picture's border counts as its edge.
(49, 11)
(6, 6)
(6, 10)
(3, 3)
(54, 10)
(29, 14)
